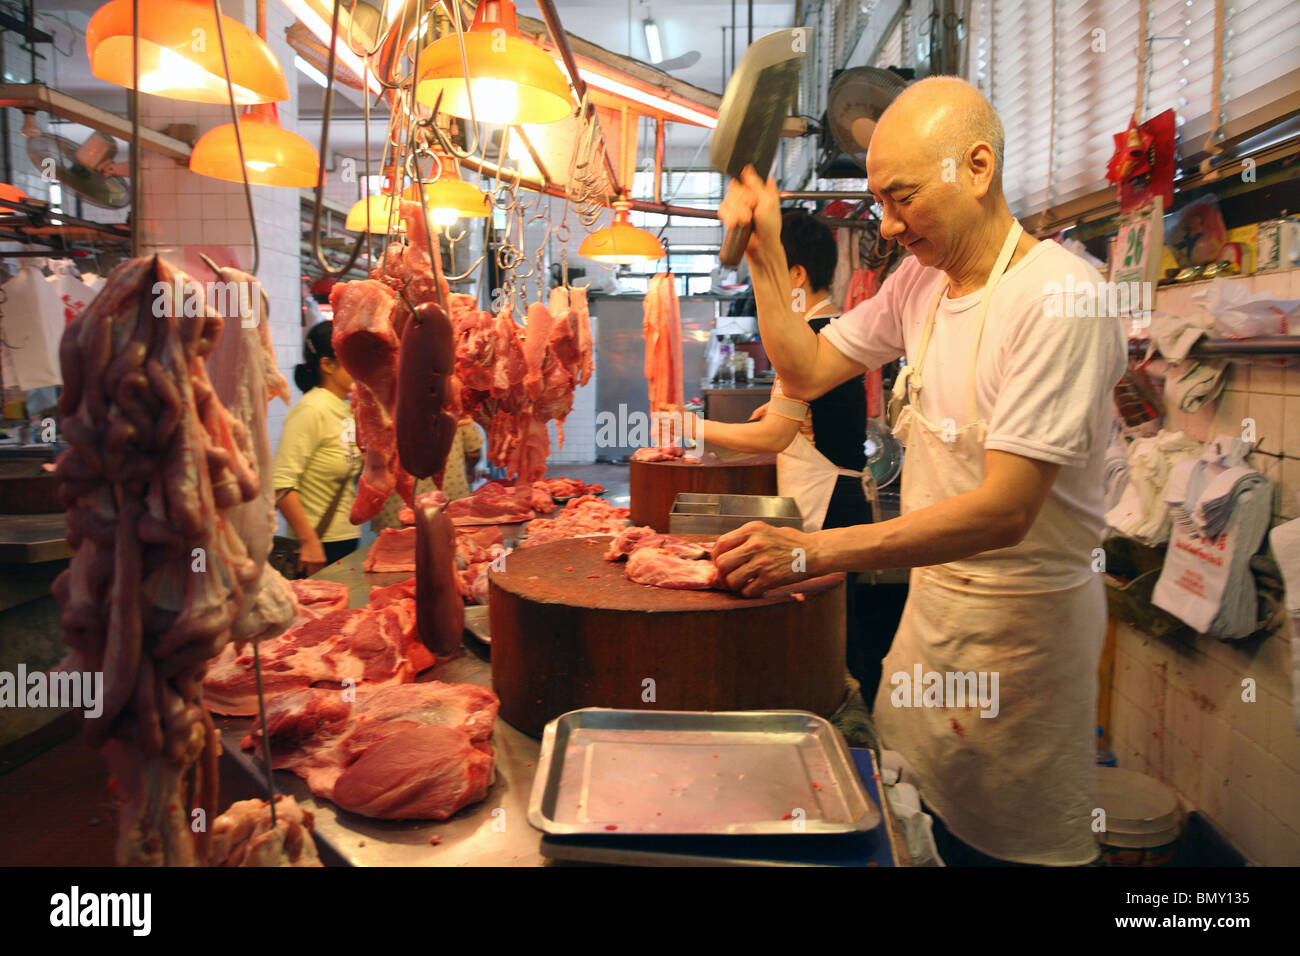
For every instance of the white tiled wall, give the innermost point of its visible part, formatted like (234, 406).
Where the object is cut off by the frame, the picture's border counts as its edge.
(186, 213)
(1178, 711)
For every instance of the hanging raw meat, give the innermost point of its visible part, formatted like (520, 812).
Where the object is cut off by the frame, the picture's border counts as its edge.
(155, 464)
(662, 324)
(242, 369)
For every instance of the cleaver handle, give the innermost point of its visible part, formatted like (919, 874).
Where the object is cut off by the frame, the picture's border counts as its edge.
(734, 244)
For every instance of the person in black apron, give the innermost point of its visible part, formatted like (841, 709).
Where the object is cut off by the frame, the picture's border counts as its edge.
(820, 445)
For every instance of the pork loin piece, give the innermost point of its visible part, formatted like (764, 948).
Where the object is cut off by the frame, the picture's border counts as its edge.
(409, 752)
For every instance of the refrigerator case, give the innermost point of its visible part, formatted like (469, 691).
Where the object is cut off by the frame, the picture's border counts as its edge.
(621, 389)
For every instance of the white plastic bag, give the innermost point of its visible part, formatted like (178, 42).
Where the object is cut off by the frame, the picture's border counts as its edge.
(1237, 312)
(73, 294)
(32, 324)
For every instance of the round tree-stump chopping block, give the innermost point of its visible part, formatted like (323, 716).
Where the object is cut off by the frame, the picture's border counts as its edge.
(654, 485)
(569, 630)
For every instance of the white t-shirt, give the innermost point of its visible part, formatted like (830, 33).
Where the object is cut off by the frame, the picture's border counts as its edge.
(1043, 382)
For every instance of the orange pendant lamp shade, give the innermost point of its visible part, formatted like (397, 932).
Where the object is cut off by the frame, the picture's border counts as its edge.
(180, 53)
(512, 80)
(384, 220)
(621, 242)
(11, 193)
(449, 197)
(273, 156)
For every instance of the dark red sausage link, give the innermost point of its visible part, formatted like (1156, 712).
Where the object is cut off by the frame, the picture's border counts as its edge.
(425, 428)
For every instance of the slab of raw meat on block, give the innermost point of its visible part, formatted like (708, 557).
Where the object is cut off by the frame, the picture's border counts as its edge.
(318, 598)
(372, 646)
(393, 551)
(243, 835)
(664, 453)
(633, 539)
(662, 568)
(409, 752)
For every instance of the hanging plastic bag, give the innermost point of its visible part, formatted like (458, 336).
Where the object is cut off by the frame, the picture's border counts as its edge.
(1235, 311)
(73, 294)
(32, 323)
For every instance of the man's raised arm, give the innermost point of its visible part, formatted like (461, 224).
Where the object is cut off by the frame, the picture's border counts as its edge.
(808, 365)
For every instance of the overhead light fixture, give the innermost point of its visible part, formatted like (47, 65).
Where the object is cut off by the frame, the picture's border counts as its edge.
(510, 79)
(449, 197)
(273, 156)
(317, 15)
(11, 193)
(607, 84)
(652, 44)
(383, 219)
(180, 56)
(621, 242)
(309, 71)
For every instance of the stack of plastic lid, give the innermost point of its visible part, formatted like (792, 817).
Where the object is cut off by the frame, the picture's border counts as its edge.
(1143, 819)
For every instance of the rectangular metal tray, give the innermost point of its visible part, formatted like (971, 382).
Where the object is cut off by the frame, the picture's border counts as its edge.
(694, 513)
(623, 772)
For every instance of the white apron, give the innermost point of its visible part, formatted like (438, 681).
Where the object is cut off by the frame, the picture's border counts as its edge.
(806, 475)
(1019, 785)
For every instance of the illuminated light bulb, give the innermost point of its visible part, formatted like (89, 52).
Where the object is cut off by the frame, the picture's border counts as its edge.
(495, 101)
(258, 165)
(443, 217)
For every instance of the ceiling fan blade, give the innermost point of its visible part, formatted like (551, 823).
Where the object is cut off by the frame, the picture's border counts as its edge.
(680, 62)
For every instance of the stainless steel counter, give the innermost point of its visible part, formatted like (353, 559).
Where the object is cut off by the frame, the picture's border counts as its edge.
(494, 832)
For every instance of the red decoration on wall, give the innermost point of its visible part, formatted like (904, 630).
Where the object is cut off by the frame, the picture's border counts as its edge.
(1143, 163)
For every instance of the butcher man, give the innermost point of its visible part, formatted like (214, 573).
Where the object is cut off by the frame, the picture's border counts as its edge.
(1004, 404)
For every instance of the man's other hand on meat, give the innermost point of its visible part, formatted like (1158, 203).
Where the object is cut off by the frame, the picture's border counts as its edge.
(933, 166)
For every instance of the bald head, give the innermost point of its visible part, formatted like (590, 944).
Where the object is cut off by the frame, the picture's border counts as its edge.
(946, 116)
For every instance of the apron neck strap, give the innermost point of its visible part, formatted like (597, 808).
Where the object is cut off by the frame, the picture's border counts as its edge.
(995, 275)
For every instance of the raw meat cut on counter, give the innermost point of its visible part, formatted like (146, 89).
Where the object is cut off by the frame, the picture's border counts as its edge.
(583, 515)
(318, 598)
(393, 551)
(372, 646)
(662, 324)
(407, 752)
(633, 539)
(666, 568)
(440, 617)
(243, 835)
(494, 503)
(158, 573)
(567, 487)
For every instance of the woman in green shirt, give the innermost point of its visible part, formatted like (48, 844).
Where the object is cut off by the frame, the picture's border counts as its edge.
(317, 454)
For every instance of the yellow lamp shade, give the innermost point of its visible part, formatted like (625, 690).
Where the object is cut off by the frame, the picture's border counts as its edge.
(273, 156)
(381, 222)
(449, 197)
(621, 242)
(512, 81)
(180, 54)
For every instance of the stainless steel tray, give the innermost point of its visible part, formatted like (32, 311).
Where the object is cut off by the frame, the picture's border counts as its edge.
(621, 772)
(694, 513)
(476, 622)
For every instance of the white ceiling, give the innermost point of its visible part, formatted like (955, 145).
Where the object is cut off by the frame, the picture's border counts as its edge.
(615, 25)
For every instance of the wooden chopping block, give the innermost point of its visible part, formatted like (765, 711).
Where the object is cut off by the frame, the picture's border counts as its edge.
(588, 637)
(655, 485)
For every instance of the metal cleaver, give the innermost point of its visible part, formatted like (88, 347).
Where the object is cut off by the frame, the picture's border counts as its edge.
(758, 99)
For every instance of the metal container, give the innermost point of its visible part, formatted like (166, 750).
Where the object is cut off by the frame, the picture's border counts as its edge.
(718, 514)
(624, 772)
